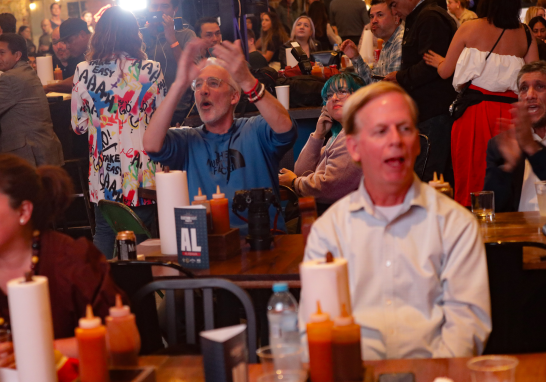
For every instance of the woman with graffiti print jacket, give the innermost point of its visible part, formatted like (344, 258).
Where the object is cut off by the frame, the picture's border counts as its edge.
(114, 95)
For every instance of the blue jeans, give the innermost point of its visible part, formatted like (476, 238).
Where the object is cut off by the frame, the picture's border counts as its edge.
(105, 236)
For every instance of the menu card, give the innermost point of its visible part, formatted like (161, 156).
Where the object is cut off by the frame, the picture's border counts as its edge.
(192, 236)
(225, 354)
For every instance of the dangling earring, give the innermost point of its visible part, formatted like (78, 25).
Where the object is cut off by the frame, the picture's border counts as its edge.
(22, 221)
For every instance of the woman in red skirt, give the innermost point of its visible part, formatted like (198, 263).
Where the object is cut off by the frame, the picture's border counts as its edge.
(488, 52)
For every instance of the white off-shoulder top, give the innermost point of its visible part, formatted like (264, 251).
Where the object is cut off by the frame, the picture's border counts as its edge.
(497, 74)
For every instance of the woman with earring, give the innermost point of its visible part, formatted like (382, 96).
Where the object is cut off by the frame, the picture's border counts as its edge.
(78, 274)
(459, 8)
(115, 93)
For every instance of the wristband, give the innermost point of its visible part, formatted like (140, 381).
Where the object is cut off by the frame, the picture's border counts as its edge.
(258, 96)
(174, 45)
(249, 93)
(293, 184)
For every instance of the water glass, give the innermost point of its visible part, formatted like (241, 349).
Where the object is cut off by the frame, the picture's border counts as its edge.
(280, 357)
(284, 376)
(493, 368)
(483, 205)
(541, 197)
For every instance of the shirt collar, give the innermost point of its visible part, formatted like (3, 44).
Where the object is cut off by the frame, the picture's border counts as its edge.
(537, 138)
(394, 34)
(360, 199)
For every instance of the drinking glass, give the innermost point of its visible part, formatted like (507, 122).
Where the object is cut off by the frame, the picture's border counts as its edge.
(541, 197)
(280, 357)
(483, 205)
(493, 368)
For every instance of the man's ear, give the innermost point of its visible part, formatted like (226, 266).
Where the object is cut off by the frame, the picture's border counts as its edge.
(352, 147)
(18, 55)
(235, 97)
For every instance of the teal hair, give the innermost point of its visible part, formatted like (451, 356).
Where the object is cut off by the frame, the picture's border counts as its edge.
(349, 81)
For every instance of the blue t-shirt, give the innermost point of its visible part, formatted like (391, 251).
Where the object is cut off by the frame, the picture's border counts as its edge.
(254, 151)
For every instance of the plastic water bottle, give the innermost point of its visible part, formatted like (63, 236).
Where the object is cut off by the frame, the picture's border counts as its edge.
(282, 314)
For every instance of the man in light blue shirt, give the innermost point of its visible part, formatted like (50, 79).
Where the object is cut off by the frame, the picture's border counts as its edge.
(236, 154)
(386, 26)
(416, 260)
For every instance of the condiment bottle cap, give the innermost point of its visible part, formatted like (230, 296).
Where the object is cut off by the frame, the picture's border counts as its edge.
(119, 310)
(434, 182)
(319, 316)
(89, 321)
(218, 195)
(345, 319)
(200, 196)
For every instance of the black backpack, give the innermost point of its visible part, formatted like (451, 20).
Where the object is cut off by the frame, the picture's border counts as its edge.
(304, 90)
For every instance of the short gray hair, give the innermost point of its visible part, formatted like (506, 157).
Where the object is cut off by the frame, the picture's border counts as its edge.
(212, 61)
(537, 66)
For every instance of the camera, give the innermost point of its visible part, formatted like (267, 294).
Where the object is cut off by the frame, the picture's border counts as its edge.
(257, 200)
(300, 56)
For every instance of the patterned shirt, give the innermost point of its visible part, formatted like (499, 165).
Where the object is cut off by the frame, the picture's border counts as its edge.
(389, 61)
(114, 102)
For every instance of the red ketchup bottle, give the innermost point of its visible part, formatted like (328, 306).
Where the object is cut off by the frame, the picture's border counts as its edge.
(346, 351)
(91, 338)
(319, 340)
(219, 207)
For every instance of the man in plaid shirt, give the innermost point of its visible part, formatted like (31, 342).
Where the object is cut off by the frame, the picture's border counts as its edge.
(386, 26)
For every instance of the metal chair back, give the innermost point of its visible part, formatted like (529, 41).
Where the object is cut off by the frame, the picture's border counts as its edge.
(207, 286)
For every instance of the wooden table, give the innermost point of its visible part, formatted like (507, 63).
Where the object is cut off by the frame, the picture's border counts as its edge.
(531, 368)
(250, 269)
(518, 226)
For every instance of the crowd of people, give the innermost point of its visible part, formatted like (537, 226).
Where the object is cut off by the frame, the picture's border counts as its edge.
(472, 84)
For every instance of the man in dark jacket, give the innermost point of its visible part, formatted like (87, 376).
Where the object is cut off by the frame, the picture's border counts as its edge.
(516, 158)
(26, 129)
(428, 27)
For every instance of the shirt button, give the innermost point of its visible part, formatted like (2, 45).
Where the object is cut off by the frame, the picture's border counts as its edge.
(388, 264)
(389, 302)
(407, 29)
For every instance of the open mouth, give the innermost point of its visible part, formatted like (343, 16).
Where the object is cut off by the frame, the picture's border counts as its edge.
(206, 105)
(395, 162)
(533, 109)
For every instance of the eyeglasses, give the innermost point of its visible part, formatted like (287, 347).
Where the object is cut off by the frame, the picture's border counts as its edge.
(212, 82)
(340, 94)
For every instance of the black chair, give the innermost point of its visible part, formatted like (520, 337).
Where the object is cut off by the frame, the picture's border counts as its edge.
(188, 286)
(518, 300)
(81, 205)
(422, 159)
(131, 276)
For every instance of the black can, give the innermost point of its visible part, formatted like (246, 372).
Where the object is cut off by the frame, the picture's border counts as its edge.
(126, 245)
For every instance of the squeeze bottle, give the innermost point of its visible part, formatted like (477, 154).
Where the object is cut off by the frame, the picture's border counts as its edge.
(319, 340)
(202, 199)
(122, 335)
(346, 351)
(219, 207)
(91, 338)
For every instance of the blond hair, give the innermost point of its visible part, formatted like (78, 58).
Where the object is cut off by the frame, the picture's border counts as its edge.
(532, 12)
(367, 94)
